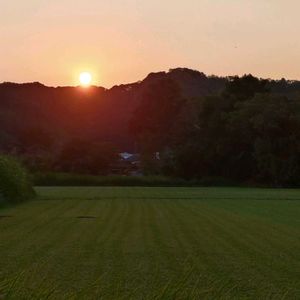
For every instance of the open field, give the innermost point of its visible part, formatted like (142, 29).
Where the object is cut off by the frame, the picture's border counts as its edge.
(152, 243)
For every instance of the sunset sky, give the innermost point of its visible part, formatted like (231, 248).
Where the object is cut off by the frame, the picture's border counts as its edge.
(121, 41)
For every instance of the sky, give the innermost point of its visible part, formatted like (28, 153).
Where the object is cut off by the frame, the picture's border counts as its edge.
(121, 41)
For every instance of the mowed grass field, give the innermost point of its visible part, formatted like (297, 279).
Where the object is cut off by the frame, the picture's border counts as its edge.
(152, 243)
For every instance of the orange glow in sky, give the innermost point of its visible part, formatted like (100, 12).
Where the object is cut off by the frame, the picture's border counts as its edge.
(121, 41)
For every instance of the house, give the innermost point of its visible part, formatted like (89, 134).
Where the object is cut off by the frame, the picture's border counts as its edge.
(129, 164)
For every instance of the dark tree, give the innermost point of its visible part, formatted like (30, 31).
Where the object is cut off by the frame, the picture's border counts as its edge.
(81, 156)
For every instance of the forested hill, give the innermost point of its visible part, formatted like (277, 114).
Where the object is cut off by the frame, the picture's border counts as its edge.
(32, 113)
(36, 115)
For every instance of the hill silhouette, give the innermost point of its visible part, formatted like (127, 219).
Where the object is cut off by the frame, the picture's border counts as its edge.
(35, 115)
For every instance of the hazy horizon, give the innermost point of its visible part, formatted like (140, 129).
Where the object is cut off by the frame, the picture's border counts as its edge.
(123, 41)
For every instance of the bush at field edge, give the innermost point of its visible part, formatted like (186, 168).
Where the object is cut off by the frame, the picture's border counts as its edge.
(15, 185)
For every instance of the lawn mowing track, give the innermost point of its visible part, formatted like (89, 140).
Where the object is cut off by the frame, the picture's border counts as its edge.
(152, 243)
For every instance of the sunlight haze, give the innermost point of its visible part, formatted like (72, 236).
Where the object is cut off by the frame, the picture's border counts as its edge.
(121, 41)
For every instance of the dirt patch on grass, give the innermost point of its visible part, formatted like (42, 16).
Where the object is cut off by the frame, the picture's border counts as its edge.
(5, 217)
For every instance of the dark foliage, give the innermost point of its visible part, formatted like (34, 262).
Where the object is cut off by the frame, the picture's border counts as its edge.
(245, 134)
(81, 156)
(183, 123)
(15, 185)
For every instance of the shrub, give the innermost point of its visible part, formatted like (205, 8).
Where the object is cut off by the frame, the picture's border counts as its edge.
(217, 181)
(69, 179)
(15, 185)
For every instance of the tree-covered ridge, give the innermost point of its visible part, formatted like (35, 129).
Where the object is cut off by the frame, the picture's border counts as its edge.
(247, 133)
(242, 129)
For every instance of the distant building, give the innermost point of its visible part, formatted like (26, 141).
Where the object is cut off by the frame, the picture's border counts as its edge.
(125, 155)
(129, 164)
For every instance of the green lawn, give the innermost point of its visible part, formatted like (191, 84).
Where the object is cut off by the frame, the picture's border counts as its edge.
(152, 243)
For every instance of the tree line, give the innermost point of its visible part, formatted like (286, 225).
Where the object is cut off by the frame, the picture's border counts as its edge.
(183, 124)
(247, 133)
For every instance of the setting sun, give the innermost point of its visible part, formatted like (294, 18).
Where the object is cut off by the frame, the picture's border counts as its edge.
(85, 78)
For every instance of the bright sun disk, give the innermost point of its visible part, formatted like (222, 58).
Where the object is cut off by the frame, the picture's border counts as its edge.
(85, 78)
